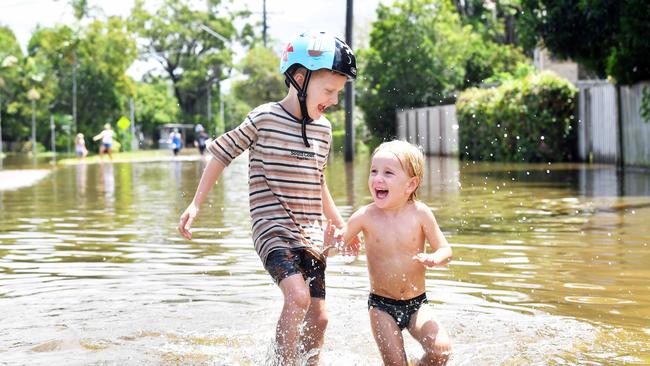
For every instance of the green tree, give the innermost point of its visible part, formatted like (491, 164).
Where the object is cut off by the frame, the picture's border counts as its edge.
(103, 51)
(494, 20)
(609, 37)
(263, 82)
(192, 58)
(11, 58)
(155, 105)
(420, 55)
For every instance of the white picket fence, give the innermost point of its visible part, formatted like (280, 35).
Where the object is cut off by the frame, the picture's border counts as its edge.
(435, 129)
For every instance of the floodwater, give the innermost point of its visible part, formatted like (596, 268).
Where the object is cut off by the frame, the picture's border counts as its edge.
(551, 267)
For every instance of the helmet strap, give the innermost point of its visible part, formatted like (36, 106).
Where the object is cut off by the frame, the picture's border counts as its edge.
(302, 100)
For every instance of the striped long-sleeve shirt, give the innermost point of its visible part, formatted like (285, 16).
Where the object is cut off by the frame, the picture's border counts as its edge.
(285, 176)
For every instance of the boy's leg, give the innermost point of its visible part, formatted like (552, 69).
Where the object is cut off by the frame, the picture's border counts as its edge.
(296, 304)
(314, 330)
(388, 337)
(432, 336)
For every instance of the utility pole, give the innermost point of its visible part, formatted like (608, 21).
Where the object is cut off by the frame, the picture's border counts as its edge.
(53, 137)
(264, 26)
(74, 93)
(221, 112)
(208, 123)
(1, 127)
(134, 138)
(349, 89)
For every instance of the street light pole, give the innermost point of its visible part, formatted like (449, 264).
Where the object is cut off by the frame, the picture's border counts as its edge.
(74, 92)
(53, 137)
(221, 112)
(33, 127)
(209, 106)
(33, 96)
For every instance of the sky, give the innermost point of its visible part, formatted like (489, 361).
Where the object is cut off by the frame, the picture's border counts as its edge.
(285, 17)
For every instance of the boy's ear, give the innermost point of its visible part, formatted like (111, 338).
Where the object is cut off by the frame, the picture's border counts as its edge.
(299, 76)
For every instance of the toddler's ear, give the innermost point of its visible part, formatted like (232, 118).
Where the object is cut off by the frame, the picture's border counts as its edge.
(413, 184)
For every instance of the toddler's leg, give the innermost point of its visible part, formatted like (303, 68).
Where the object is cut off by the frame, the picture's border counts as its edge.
(388, 337)
(432, 336)
(296, 303)
(314, 330)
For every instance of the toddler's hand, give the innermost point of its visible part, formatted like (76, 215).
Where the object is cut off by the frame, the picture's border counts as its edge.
(425, 259)
(352, 248)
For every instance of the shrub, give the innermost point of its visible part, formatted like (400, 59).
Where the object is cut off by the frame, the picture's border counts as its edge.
(530, 119)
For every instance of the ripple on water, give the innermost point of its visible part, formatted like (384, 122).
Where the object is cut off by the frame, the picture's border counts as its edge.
(598, 300)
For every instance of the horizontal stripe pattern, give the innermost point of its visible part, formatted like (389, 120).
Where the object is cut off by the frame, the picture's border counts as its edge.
(285, 176)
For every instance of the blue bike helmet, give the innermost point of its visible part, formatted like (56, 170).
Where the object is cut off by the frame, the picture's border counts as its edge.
(315, 51)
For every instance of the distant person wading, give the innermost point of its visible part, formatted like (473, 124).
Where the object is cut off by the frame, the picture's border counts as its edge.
(107, 141)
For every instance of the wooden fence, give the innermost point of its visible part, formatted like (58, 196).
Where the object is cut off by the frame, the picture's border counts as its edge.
(605, 133)
(433, 128)
(611, 130)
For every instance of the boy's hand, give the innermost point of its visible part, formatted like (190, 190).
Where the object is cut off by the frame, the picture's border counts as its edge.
(187, 219)
(329, 240)
(425, 259)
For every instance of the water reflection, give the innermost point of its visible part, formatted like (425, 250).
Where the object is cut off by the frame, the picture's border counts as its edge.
(550, 264)
(106, 183)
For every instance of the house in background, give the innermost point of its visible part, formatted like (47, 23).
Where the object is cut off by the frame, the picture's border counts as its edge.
(543, 60)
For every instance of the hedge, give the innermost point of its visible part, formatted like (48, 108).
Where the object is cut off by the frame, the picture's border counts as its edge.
(530, 119)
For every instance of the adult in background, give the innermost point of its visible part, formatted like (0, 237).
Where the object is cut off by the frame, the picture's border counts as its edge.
(201, 138)
(175, 141)
(107, 141)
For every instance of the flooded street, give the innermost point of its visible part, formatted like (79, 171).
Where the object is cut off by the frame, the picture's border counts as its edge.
(551, 267)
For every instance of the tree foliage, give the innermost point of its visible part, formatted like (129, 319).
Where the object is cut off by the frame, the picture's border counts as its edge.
(155, 105)
(193, 59)
(263, 82)
(421, 55)
(11, 58)
(102, 51)
(609, 37)
(523, 120)
(494, 20)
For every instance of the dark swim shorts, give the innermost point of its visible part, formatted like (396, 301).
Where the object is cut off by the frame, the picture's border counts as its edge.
(282, 263)
(400, 310)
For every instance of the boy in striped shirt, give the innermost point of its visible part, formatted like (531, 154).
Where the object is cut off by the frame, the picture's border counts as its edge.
(288, 143)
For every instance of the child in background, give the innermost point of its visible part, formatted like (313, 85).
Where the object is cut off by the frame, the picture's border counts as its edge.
(176, 141)
(80, 146)
(201, 139)
(395, 227)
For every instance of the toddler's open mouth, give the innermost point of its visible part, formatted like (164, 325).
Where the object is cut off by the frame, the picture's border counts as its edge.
(381, 193)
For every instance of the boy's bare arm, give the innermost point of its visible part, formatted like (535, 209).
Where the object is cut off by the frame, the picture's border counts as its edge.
(211, 173)
(329, 208)
(442, 251)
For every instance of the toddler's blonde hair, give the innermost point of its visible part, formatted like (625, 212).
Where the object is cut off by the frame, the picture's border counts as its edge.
(410, 158)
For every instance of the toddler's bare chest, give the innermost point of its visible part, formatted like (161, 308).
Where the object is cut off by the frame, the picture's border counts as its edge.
(387, 234)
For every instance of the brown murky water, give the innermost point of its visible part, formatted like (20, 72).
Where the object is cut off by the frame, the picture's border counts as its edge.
(551, 267)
